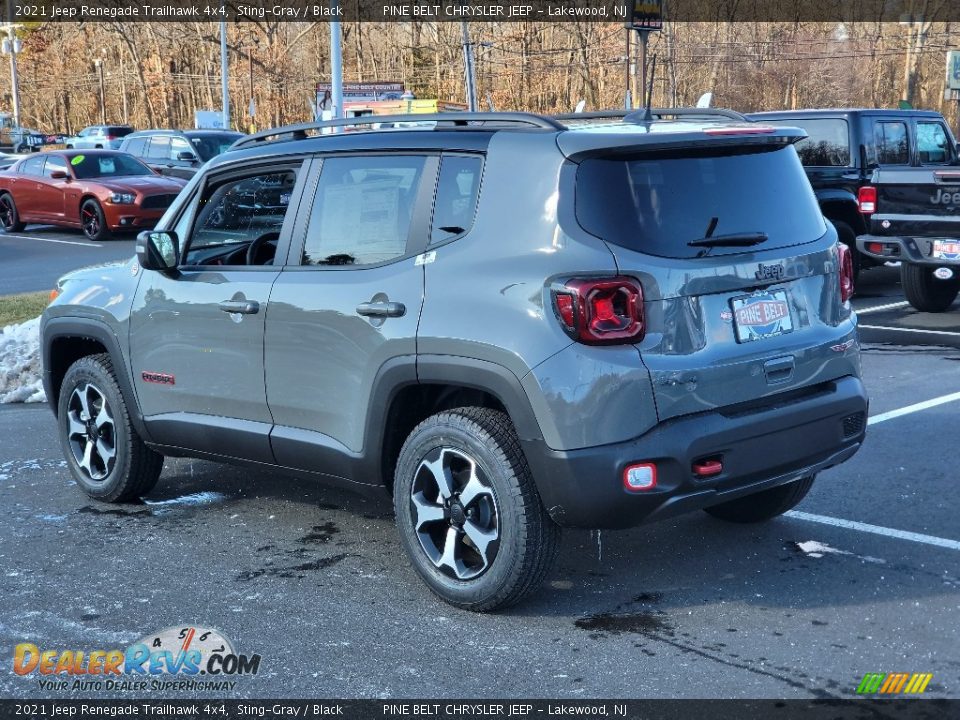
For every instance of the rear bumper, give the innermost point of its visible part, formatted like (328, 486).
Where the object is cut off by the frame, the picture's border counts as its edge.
(760, 446)
(904, 249)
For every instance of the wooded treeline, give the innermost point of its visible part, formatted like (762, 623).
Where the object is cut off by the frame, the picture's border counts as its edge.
(157, 74)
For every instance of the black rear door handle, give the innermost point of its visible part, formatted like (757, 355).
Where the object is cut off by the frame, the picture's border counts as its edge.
(244, 307)
(381, 309)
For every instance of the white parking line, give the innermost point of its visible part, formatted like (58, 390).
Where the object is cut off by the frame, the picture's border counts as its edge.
(875, 529)
(878, 308)
(916, 407)
(62, 242)
(909, 330)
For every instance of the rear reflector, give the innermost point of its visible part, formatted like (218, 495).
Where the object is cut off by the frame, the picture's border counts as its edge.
(875, 247)
(707, 468)
(640, 477)
(867, 200)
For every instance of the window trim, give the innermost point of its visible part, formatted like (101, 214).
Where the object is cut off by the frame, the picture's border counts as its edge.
(418, 236)
(433, 205)
(190, 207)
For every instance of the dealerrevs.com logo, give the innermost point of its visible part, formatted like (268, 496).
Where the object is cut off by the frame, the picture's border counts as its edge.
(177, 658)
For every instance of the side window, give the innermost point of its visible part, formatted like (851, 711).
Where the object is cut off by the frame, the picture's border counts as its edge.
(457, 190)
(891, 142)
(54, 162)
(159, 148)
(33, 166)
(362, 210)
(234, 213)
(137, 146)
(827, 143)
(179, 145)
(933, 144)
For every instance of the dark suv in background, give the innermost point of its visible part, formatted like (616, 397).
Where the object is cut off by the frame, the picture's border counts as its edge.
(843, 148)
(178, 152)
(511, 322)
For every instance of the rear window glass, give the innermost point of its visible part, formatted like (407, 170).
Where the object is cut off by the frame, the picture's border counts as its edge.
(656, 205)
(827, 143)
(119, 131)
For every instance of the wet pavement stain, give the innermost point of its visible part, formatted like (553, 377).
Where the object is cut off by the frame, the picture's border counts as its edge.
(88, 617)
(113, 512)
(320, 534)
(643, 623)
(291, 571)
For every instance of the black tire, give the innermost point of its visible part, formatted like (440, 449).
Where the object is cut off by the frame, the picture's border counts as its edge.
(515, 562)
(848, 237)
(764, 505)
(925, 292)
(134, 468)
(92, 221)
(9, 217)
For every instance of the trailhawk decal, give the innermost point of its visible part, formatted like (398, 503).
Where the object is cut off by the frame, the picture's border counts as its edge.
(158, 378)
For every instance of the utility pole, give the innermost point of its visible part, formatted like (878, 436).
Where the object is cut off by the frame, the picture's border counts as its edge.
(98, 64)
(123, 91)
(224, 70)
(627, 94)
(12, 46)
(336, 65)
(644, 37)
(471, 83)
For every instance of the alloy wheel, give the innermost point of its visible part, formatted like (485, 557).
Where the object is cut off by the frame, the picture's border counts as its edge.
(90, 222)
(91, 431)
(454, 513)
(6, 212)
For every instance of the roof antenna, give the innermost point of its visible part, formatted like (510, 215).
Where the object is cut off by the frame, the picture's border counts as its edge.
(648, 113)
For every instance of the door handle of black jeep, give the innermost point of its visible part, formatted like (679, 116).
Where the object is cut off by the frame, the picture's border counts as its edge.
(244, 307)
(382, 309)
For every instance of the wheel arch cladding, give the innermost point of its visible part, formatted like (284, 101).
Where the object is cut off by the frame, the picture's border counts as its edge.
(66, 340)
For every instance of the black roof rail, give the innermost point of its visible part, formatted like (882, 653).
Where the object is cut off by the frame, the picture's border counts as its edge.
(456, 119)
(635, 116)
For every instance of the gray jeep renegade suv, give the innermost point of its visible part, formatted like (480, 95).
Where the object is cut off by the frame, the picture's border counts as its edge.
(511, 322)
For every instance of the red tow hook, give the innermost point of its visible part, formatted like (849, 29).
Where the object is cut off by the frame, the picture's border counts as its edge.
(707, 468)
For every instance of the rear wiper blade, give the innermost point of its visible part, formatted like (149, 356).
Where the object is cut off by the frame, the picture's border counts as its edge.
(731, 240)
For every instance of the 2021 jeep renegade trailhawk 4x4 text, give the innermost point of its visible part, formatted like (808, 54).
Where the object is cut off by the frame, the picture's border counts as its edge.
(511, 322)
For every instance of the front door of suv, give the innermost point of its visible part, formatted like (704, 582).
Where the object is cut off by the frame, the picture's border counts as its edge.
(196, 335)
(346, 305)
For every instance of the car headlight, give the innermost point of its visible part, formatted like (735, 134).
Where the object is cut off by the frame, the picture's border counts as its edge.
(122, 198)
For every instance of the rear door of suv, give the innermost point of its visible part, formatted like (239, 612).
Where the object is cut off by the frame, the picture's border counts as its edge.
(347, 302)
(726, 323)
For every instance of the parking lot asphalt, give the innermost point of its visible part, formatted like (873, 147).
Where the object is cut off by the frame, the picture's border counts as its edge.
(33, 259)
(314, 581)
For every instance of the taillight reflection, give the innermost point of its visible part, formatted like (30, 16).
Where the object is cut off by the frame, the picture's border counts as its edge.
(846, 272)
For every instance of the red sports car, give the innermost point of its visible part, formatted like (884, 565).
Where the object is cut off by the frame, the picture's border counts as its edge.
(98, 191)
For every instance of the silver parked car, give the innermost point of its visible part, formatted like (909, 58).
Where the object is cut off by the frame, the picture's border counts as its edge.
(99, 136)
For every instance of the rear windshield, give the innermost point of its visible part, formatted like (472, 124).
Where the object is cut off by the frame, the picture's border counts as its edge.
(119, 131)
(656, 205)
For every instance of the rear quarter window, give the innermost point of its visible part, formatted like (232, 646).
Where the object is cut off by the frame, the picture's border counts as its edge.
(656, 204)
(827, 143)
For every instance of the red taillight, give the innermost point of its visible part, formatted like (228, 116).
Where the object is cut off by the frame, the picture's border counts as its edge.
(601, 311)
(846, 272)
(867, 199)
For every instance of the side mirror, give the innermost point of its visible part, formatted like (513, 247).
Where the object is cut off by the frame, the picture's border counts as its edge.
(59, 175)
(158, 250)
(186, 156)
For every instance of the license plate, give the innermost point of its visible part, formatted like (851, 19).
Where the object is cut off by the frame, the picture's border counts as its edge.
(946, 249)
(761, 315)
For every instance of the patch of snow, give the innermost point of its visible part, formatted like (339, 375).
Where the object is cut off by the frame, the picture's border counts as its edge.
(815, 549)
(199, 498)
(20, 372)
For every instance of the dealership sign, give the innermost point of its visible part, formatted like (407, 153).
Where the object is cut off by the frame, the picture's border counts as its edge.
(647, 15)
(953, 70)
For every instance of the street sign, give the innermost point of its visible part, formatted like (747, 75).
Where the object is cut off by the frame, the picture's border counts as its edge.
(953, 70)
(647, 15)
(361, 92)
